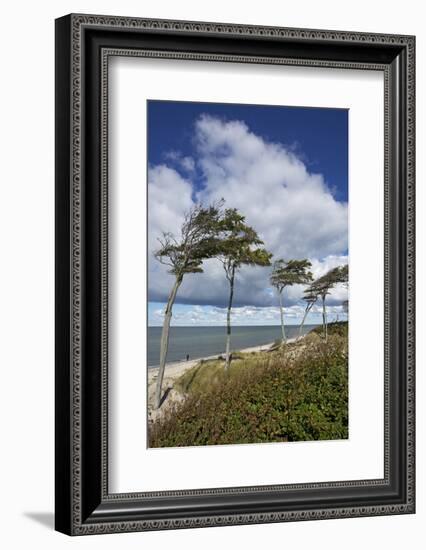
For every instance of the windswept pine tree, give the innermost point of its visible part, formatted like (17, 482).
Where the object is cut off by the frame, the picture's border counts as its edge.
(344, 278)
(310, 299)
(342, 275)
(289, 273)
(197, 241)
(322, 287)
(240, 245)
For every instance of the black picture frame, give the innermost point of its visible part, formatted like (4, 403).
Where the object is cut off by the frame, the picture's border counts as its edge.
(83, 504)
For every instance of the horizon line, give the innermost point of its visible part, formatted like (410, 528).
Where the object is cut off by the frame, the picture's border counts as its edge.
(233, 326)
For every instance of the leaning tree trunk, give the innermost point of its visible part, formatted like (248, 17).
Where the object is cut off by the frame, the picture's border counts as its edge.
(164, 344)
(228, 321)
(307, 310)
(282, 318)
(324, 318)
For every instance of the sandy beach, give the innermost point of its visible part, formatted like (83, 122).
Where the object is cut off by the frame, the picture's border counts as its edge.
(174, 371)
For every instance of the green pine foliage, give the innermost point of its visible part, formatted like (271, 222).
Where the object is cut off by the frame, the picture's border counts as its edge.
(297, 392)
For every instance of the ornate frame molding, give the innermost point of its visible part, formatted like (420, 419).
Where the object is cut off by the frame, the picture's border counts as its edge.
(72, 45)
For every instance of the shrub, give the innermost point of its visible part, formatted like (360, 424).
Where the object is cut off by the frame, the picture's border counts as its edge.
(294, 394)
(340, 328)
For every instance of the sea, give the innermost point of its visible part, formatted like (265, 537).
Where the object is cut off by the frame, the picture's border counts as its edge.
(200, 342)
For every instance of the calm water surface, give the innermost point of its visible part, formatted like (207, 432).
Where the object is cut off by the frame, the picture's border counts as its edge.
(205, 341)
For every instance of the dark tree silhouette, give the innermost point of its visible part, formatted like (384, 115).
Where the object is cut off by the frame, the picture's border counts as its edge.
(322, 287)
(197, 241)
(288, 273)
(310, 299)
(240, 245)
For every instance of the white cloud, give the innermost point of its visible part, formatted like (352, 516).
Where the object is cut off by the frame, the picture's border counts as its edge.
(187, 163)
(169, 196)
(245, 315)
(293, 211)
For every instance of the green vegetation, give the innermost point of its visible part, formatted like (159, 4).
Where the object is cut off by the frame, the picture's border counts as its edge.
(240, 245)
(285, 274)
(214, 232)
(297, 392)
(321, 289)
(340, 328)
(185, 254)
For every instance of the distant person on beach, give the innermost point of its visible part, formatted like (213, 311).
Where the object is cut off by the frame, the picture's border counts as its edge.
(187, 356)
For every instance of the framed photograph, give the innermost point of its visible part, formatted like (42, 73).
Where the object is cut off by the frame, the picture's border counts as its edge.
(234, 274)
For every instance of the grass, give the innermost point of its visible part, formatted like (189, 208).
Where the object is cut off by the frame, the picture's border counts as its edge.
(297, 392)
(211, 373)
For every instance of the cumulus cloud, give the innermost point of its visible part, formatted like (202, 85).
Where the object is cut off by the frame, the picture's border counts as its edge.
(176, 157)
(293, 210)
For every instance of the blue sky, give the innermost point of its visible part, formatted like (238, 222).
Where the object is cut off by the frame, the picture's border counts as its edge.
(285, 168)
(318, 136)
